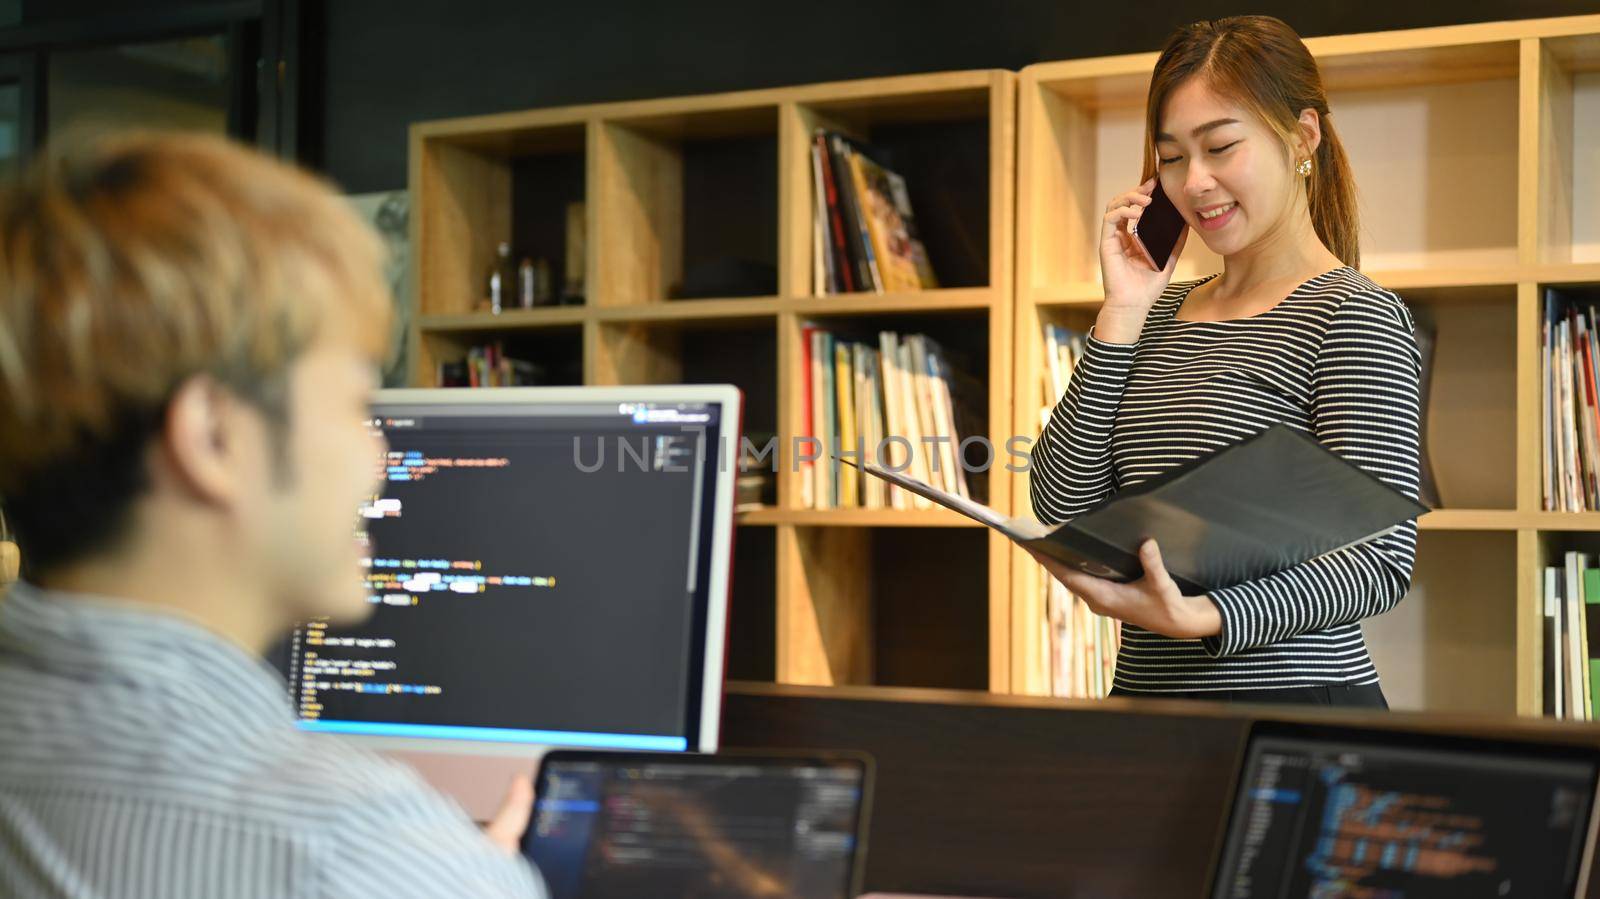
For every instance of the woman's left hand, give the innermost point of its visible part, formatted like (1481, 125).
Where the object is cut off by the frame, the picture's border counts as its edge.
(1152, 602)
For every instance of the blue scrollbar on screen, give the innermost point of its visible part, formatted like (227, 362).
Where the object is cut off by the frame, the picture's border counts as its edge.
(501, 735)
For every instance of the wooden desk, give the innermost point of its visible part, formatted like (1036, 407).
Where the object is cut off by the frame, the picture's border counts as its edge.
(987, 795)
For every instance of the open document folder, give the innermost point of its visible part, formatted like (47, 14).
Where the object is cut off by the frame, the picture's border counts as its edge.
(1264, 504)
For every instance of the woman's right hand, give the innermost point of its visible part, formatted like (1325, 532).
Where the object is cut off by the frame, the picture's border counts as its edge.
(1131, 286)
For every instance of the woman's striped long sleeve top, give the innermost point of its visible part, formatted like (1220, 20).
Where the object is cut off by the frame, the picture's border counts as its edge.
(1336, 359)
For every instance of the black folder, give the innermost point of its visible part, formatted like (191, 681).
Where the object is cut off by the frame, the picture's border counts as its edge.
(1252, 509)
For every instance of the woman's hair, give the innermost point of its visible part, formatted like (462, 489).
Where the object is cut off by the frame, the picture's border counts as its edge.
(1260, 63)
(133, 263)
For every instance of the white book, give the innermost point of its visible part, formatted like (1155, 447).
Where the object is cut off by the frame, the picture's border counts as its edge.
(920, 469)
(893, 415)
(1072, 351)
(821, 429)
(1565, 491)
(869, 416)
(940, 473)
(1574, 452)
(1556, 660)
(1548, 371)
(880, 426)
(822, 256)
(1052, 358)
(1055, 626)
(1582, 417)
(1592, 431)
(945, 415)
(1574, 645)
(860, 414)
(1564, 410)
(936, 410)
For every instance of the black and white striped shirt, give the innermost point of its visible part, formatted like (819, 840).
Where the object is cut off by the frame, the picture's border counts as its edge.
(142, 756)
(1336, 359)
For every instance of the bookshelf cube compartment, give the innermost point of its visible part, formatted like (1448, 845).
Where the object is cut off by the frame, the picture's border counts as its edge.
(752, 606)
(549, 220)
(687, 206)
(1451, 643)
(1417, 126)
(1035, 391)
(1470, 428)
(904, 607)
(1583, 297)
(1413, 150)
(553, 356)
(742, 352)
(964, 337)
(1550, 550)
(1569, 155)
(1470, 431)
(941, 143)
(481, 188)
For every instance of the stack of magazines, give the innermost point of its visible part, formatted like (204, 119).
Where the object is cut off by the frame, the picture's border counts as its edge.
(1570, 351)
(865, 234)
(1082, 645)
(898, 403)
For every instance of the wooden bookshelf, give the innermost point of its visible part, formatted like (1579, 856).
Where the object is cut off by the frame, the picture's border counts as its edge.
(847, 596)
(1472, 146)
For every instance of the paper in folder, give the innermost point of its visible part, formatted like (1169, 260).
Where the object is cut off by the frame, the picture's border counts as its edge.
(1252, 509)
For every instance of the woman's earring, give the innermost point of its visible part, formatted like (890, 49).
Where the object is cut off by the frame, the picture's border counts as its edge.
(1304, 168)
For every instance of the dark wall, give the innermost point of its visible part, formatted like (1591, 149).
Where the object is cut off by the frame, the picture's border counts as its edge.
(390, 63)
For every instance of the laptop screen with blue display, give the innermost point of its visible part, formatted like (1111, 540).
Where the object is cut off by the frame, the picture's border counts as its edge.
(631, 824)
(1322, 811)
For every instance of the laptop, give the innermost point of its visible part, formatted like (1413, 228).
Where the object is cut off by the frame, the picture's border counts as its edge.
(1321, 811)
(735, 825)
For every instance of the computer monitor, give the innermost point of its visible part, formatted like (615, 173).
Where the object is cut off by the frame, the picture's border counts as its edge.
(1328, 811)
(735, 825)
(547, 567)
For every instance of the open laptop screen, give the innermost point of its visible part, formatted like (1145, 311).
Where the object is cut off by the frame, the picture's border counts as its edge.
(637, 824)
(1335, 812)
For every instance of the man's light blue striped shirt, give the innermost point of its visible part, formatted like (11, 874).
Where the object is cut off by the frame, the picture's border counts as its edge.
(143, 756)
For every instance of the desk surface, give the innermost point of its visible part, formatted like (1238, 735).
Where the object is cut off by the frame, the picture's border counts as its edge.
(1023, 797)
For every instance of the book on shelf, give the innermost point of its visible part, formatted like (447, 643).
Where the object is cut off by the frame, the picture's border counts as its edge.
(1571, 590)
(844, 397)
(488, 365)
(1083, 646)
(866, 232)
(1257, 507)
(1062, 350)
(899, 402)
(1569, 351)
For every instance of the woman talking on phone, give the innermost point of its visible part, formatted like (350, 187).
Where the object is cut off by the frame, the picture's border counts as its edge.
(1240, 140)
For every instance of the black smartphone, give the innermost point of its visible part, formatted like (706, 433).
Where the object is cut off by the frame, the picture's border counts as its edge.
(1158, 229)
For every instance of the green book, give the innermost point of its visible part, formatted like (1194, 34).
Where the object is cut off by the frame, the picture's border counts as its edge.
(1594, 688)
(1591, 596)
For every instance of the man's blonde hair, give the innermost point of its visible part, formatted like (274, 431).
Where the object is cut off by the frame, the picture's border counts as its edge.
(132, 264)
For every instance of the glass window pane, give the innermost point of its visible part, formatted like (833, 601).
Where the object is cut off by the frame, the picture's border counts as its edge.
(167, 84)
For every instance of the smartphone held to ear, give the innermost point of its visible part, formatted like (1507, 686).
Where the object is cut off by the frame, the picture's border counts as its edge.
(1156, 232)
